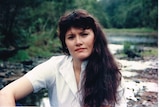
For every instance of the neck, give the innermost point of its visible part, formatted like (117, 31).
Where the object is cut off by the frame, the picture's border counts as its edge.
(77, 65)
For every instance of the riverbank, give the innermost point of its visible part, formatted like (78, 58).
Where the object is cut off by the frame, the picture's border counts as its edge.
(141, 78)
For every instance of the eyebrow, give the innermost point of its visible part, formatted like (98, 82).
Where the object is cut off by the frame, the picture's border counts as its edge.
(82, 31)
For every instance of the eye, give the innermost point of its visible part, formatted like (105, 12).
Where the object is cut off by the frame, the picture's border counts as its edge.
(84, 34)
(70, 37)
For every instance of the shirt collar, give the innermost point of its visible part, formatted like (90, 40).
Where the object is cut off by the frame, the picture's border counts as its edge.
(67, 72)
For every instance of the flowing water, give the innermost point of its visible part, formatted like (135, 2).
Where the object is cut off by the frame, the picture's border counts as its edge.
(132, 38)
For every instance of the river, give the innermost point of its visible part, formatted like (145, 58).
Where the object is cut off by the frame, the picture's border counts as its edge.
(135, 38)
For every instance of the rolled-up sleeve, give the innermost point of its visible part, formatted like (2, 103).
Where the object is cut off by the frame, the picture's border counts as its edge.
(40, 76)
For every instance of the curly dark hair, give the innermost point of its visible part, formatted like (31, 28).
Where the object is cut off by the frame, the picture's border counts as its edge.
(102, 74)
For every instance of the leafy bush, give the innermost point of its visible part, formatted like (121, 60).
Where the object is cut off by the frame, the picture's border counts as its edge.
(43, 44)
(20, 56)
(131, 50)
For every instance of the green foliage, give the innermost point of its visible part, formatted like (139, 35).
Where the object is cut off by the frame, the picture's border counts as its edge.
(43, 44)
(96, 8)
(14, 21)
(132, 13)
(131, 50)
(20, 56)
(127, 47)
(34, 23)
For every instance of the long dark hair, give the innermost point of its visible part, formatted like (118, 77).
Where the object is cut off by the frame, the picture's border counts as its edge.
(102, 75)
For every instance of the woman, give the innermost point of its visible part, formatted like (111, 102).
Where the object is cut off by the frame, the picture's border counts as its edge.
(86, 76)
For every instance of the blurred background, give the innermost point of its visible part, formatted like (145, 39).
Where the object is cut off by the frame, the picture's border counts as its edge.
(28, 36)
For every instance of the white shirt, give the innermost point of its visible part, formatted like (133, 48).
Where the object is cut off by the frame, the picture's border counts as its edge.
(57, 75)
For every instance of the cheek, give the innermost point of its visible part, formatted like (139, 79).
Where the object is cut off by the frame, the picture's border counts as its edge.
(69, 45)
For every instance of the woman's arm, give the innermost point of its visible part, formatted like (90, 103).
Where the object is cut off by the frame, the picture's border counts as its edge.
(15, 91)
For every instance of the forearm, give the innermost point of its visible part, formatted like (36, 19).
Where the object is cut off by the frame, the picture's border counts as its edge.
(6, 99)
(15, 91)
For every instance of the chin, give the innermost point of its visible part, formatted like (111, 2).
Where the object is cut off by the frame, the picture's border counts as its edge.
(82, 57)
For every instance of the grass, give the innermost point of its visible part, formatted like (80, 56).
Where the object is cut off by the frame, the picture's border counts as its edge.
(150, 52)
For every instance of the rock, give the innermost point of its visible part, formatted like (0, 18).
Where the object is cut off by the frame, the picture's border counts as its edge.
(29, 62)
(2, 75)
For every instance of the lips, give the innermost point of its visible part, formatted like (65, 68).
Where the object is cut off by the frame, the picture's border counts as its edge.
(79, 49)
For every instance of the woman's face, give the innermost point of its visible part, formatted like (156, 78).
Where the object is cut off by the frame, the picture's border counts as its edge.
(79, 42)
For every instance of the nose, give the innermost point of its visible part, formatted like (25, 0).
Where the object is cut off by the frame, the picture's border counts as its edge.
(78, 41)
